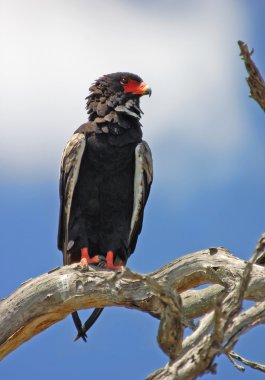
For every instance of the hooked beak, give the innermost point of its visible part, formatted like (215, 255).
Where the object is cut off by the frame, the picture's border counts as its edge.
(145, 89)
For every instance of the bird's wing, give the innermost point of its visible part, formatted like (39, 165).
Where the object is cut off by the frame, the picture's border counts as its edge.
(143, 177)
(70, 165)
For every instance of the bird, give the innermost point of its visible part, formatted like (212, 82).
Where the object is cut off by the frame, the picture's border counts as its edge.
(105, 178)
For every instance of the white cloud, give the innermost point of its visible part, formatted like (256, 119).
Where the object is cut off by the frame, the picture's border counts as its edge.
(187, 52)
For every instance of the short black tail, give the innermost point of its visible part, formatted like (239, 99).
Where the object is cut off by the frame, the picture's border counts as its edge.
(82, 329)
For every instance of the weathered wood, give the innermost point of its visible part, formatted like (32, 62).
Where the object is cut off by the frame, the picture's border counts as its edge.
(198, 353)
(217, 332)
(47, 299)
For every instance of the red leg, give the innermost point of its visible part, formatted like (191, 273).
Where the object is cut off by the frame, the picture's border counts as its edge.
(85, 259)
(110, 263)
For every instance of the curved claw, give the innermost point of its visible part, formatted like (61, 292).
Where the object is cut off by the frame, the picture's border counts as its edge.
(86, 259)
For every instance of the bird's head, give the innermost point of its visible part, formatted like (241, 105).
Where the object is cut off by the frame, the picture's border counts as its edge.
(122, 83)
(113, 96)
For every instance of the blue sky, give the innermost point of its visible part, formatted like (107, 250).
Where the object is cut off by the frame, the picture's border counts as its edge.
(206, 135)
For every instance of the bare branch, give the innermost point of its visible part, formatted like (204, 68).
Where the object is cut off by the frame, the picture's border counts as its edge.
(43, 301)
(260, 250)
(258, 366)
(255, 81)
(217, 333)
(238, 366)
(40, 302)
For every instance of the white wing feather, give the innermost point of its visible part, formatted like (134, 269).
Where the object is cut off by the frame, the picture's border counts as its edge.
(143, 173)
(70, 166)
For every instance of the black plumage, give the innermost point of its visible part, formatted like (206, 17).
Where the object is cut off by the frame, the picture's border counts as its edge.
(106, 174)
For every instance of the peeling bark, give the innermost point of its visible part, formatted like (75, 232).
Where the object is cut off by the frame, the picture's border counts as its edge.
(166, 294)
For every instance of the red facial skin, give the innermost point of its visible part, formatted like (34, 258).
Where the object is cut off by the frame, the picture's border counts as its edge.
(135, 87)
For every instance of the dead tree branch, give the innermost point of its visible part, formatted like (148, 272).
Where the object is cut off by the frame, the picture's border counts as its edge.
(47, 299)
(249, 363)
(217, 333)
(255, 81)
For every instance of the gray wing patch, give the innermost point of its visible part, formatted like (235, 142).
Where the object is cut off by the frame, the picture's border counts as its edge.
(70, 165)
(143, 177)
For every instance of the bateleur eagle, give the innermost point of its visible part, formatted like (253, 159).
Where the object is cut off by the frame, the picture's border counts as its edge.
(105, 179)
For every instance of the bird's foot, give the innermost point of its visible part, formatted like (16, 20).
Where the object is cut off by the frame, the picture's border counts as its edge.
(110, 262)
(86, 260)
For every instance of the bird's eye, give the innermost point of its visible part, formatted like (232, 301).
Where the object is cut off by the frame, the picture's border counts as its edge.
(124, 81)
